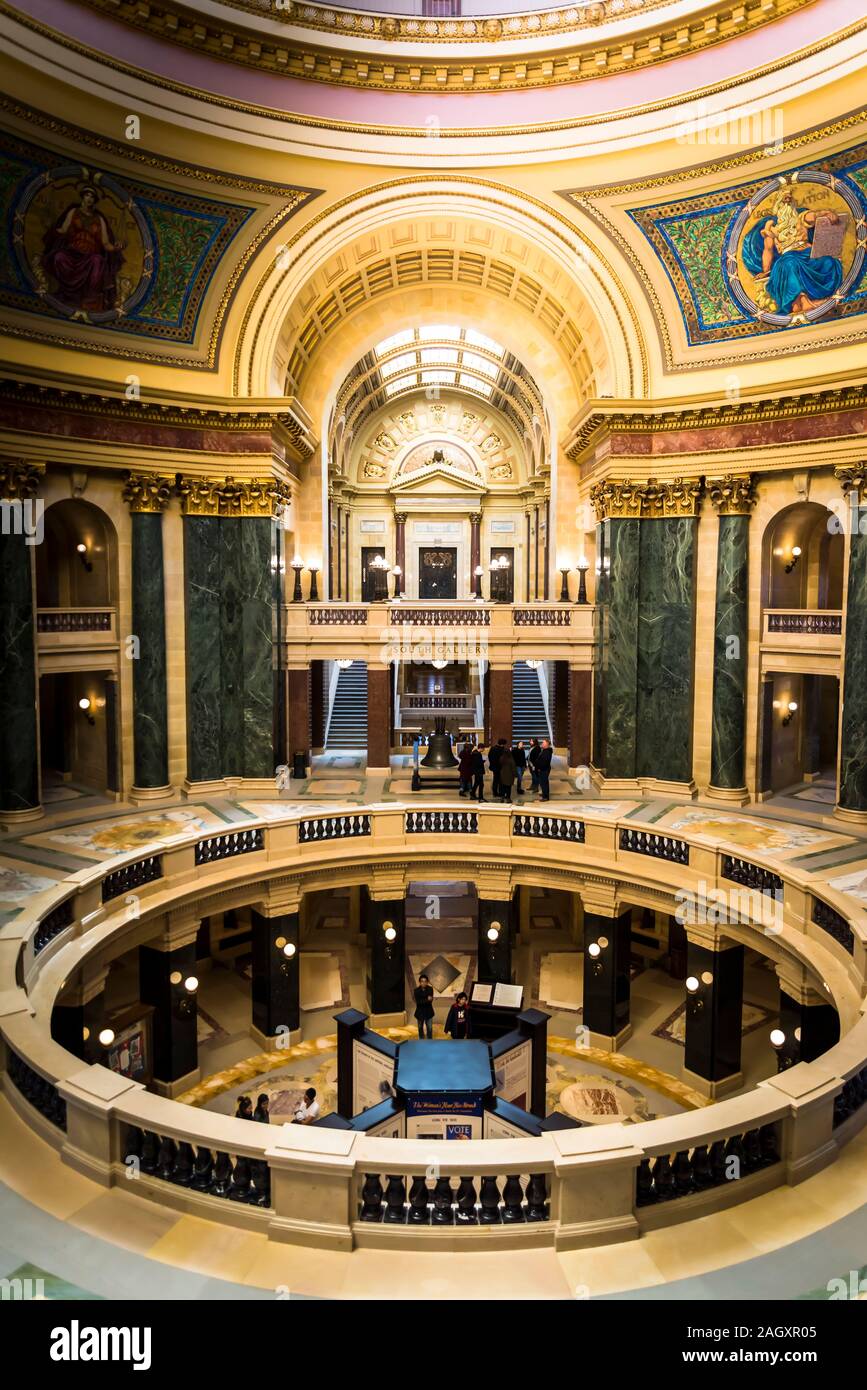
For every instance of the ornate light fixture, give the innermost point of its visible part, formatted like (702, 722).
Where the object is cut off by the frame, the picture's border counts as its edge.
(583, 567)
(314, 592)
(84, 705)
(81, 551)
(795, 555)
(565, 570)
(791, 711)
(297, 565)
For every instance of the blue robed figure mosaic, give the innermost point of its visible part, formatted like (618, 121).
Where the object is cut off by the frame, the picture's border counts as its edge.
(780, 251)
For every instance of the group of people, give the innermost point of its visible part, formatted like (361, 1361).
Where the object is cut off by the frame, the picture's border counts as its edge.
(306, 1111)
(458, 1021)
(508, 765)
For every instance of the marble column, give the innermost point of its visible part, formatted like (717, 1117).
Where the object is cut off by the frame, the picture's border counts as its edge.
(19, 733)
(317, 706)
(580, 715)
(560, 711)
(546, 579)
(400, 551)
(147, 498)
(387, 959)
(495, 957)
(527, 553)
(230, 634)
(606, 978)
(379, 680)
(298, 712)
(164, 966)
(500, 696)
(852, 795)
(712, 1054)
(621, 657)
(475, 549)
(276, 974)
(665, 648)
(733, 498)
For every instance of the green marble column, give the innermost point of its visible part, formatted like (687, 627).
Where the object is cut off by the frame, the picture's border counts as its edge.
(621, 675)
(665, 640)
(728, 732)
(853, 731)
(150, 703)
(19, 736)
(230, 643)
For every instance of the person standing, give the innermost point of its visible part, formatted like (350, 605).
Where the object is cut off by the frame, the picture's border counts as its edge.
(494, 757)
(262, 1113)
(507, 774)
(477, 769)
(465, 769)
(458, 1021)
(245, 1108)
(532, 760)
(424, 1009)
(543, 769)
(519, 753)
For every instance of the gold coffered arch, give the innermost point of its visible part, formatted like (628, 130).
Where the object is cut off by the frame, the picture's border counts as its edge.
(475, 247)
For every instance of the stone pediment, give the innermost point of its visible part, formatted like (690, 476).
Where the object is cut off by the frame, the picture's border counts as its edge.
(437, 481)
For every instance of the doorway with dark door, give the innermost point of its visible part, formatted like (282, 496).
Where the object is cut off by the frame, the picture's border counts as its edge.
(438, 573)
(374, 584)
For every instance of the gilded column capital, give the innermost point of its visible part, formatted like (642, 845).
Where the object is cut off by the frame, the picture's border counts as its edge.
(852, 478)
(232, 496)
(19, 480)
(732, 495)
(623, 497)
(147, 492)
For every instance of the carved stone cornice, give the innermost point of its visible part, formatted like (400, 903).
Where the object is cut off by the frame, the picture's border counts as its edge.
(732, 495)
(148, 492)
(19, 480)
(852, 478)
(621, 497)
(231, 496)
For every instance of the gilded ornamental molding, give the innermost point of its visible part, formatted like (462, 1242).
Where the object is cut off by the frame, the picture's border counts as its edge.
(147, 492)
(617, 497)
(231, 496)
(732, 495)
(19, 480)
(295, 42)
(852, 478)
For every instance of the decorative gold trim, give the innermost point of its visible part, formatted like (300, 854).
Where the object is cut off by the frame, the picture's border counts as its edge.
(19, 481)
(314, 122)
(622, 497)
(641, 418)
(852, 478)
(732, 495)
(147, 492)
(217, 496)
(373, 63)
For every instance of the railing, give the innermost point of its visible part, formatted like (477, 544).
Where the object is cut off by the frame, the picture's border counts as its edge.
(227, 846)
(485, 1201)
(441, 617)
(813, 623)
(656, 846)
(834, 923)
(459, 702)
(202, 1162)
(52, 925)
(753, 876)
(74, 620)
(543, 617)
(337, 617)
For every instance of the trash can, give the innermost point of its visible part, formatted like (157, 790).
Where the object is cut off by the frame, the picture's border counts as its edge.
(299, 765)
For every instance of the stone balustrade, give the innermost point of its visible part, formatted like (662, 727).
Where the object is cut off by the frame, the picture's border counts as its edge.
(321, 1186)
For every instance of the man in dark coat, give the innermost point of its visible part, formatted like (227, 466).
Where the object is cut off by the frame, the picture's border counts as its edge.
(532, 760)
(494, 759)
(465, 769)
(507, 774)
(477, 769)
(543, 769)
(519, 753)
(424, 1009)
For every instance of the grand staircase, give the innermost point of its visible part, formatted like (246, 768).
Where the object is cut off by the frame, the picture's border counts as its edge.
(347, 727)
(529, 719)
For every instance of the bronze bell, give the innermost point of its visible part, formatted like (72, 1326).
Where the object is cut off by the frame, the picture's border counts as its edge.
(439, 750)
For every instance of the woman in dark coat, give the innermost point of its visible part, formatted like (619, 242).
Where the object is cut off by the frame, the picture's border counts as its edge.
(507, 774)
(424, 1009)
(465, 769)
(458, 1021)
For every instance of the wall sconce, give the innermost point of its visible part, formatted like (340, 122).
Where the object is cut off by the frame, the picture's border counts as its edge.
(277, 566)
(314, 591)
(389, 931)
(397, 576)
(477, 575)
(583, 567)
(185, 1002)
(288, 950)
(785, 1058)
(297, 565)
(594, 951)
(795, 554)
(106, 1037)
(81, 550)
(565, 570)
(84, 706)
(493, 932)
(697, 988)
(791, 711)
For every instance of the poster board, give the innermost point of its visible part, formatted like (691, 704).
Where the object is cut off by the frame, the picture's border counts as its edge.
(498, 1128)
(129, 1054)
(513, 1074)
(372, 1076)
(444, 1117)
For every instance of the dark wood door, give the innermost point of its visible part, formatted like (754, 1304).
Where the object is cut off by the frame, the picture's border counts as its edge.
(438, 572)
(503, 580)
(373, 586)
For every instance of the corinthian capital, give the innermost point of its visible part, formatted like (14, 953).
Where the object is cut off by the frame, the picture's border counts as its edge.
(732, 495)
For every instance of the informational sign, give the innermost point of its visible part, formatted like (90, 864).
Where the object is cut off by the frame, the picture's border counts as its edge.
(370, 525)
(482, 993)
(128, 1053)
(512, 1072)
(392, 1128)
(444, 1117)
(433, 530)
(500, 527)
(372, 1077)
(508, 996)
(496, 1128)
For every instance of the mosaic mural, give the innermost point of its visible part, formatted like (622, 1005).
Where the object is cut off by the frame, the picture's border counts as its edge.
(769, 254)
(83, 245)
